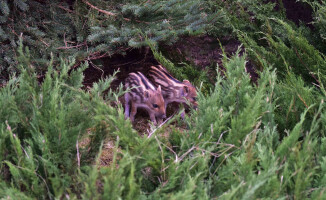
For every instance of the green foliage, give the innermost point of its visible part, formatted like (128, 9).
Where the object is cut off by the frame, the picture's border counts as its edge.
(87, 30)
(247, 140)
(42, 26)
(42, 123)
(149, 18)
(231, 149)
(264, 30)
(252, 162)
(319, 17)
(297, 52)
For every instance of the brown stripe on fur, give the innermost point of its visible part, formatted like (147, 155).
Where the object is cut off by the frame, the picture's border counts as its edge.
(160, 78)
(146, 82)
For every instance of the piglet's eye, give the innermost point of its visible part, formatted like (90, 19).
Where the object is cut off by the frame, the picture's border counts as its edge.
(155, 105)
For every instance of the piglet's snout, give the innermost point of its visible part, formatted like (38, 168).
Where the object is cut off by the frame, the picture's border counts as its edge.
(162, 115)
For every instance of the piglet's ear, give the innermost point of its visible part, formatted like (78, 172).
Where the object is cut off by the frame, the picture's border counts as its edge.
(184, 91)
(186, 82)
(159, 89)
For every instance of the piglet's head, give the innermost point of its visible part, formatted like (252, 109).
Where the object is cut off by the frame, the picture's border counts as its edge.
(189, 92)
(155, 102)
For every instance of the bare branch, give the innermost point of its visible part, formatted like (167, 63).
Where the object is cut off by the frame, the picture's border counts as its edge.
(78, 156)
(100, 10)
(149, 135)
(71, 47)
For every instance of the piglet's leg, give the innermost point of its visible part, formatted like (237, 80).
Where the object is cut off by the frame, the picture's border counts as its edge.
(127, 107)
(133, 112)
(160, 120)
(183, 114)
(153, 119)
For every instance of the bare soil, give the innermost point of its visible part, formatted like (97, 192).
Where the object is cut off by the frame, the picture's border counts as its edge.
(298, 12)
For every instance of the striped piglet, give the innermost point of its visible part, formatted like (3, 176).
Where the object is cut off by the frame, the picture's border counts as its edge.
(173, 90)
(143, 95)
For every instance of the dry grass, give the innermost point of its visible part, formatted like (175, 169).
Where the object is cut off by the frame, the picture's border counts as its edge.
(108, 149)
(107, 153)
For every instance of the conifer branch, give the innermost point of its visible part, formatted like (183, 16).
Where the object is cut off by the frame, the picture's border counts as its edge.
(300, 59)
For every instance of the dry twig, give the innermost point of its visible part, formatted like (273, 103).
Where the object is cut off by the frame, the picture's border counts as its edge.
(100, 10)
(151, 133)
(78, 156)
